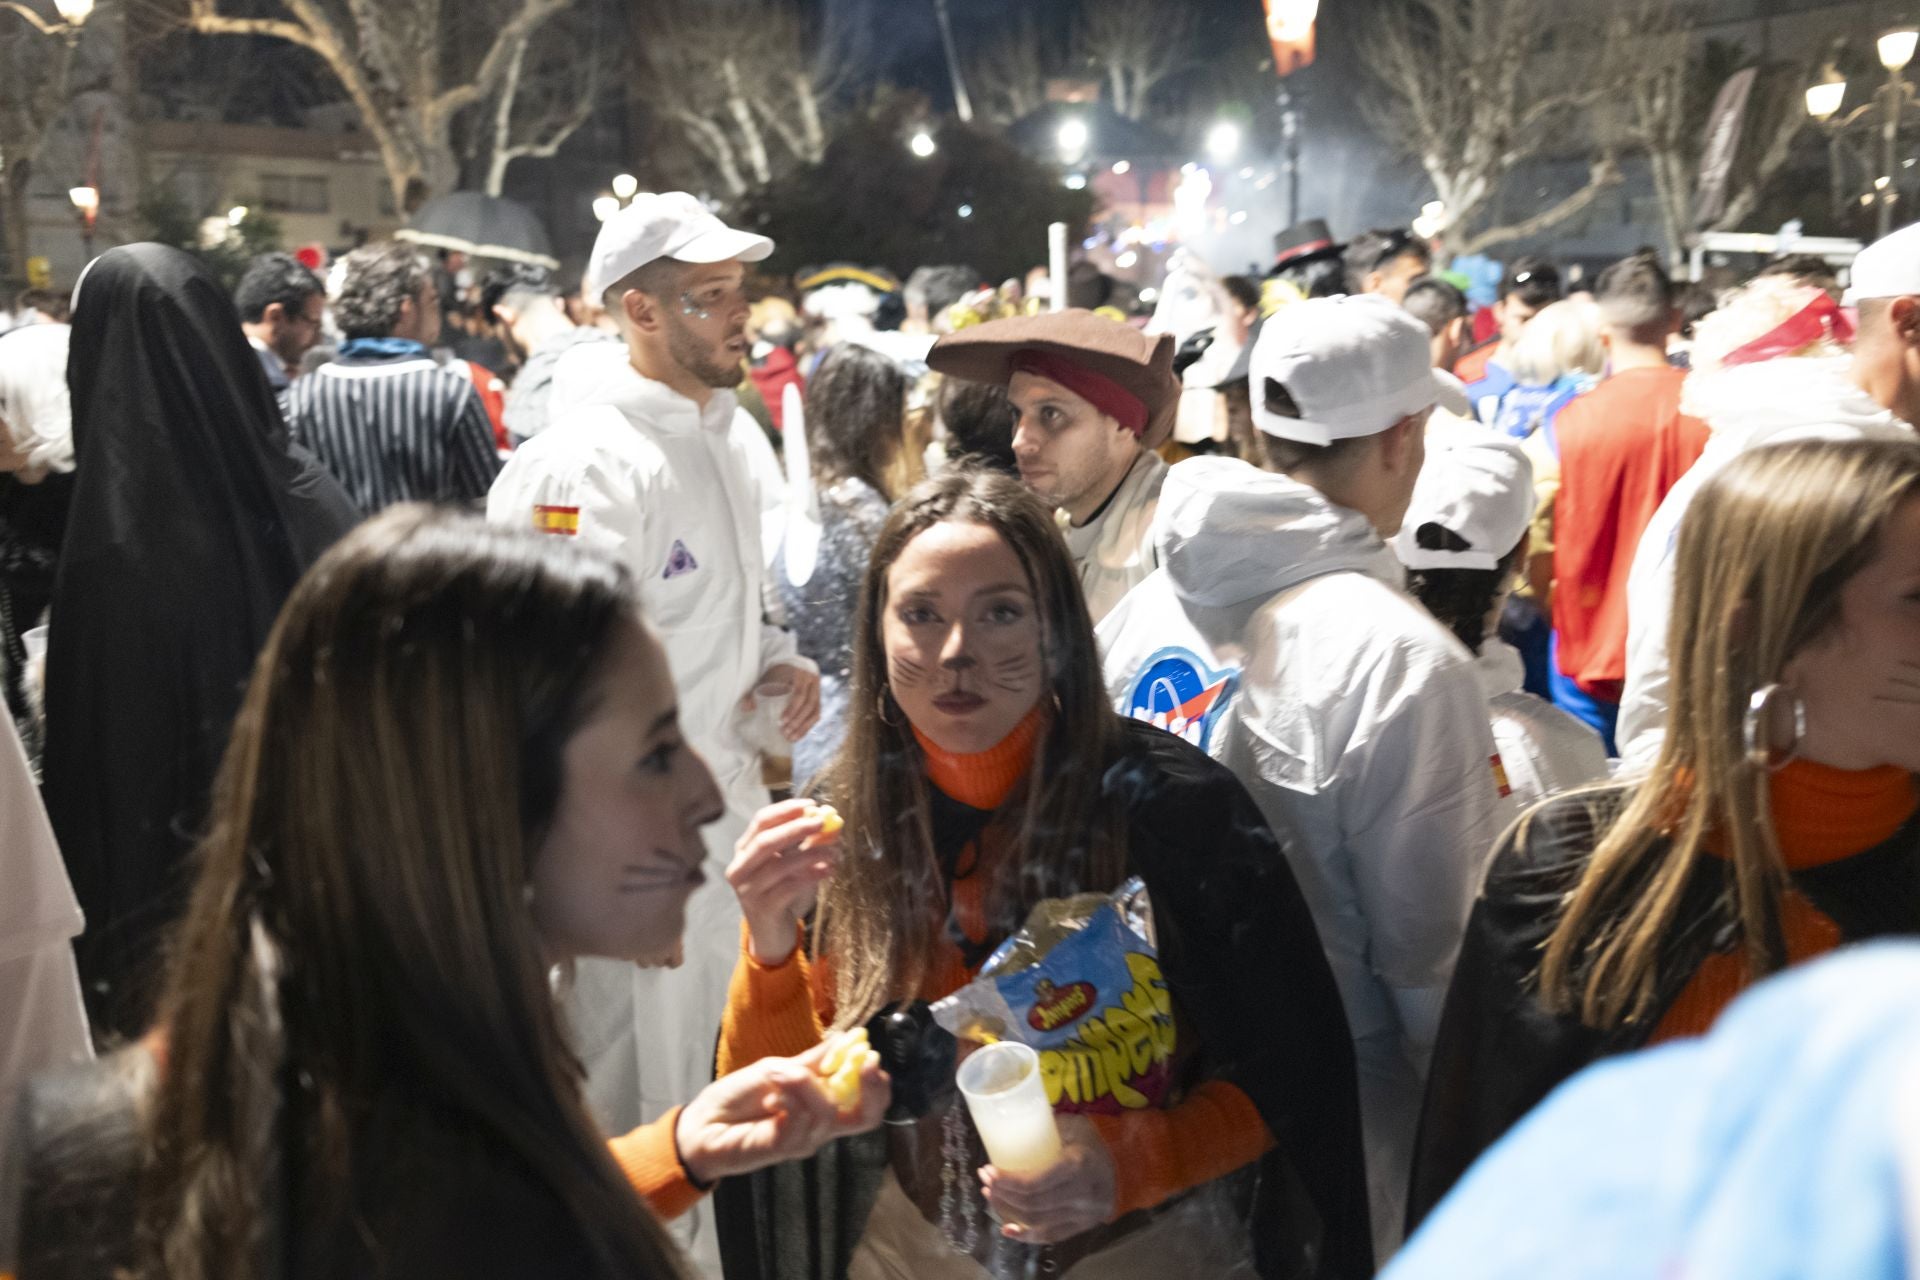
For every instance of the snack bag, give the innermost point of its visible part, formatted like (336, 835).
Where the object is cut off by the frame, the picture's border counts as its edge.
(1081, 984)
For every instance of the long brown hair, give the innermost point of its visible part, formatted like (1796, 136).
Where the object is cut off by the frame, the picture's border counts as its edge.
(880, 916)
(1764, 551)
(856, 404)
(358, 943)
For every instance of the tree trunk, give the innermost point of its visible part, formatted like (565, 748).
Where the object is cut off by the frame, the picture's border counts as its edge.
(15, 179)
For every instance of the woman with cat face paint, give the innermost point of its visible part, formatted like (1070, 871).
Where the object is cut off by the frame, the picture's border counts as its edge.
(1778, 823)
(985, 770)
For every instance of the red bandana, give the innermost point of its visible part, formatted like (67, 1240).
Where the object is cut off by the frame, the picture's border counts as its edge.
(1102, 392)
(1819, 319)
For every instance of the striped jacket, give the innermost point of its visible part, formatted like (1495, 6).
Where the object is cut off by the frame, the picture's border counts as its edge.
(396, 430)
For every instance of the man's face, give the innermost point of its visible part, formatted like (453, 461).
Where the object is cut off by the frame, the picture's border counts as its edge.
(706, 323)
(1070, 454)
(1391, 278)
(1513, 312)
(297, 331)
(426, 305)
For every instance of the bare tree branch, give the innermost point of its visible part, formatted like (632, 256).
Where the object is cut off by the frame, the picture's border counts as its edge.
(744, 82)
(1476, 88)
(1138, 45)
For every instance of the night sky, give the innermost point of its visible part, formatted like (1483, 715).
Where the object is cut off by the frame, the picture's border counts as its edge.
(1347, 176)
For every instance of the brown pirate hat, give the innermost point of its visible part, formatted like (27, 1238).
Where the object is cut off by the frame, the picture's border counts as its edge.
(1120, 370)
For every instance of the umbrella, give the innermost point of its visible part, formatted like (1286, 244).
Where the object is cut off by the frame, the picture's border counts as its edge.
(484, 226)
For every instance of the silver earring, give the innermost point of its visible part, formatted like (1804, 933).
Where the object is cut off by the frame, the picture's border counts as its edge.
(1756, 729)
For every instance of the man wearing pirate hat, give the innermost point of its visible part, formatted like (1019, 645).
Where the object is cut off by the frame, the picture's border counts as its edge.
(1095, 399)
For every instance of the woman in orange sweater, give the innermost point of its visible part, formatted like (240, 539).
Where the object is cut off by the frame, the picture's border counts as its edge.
(1778, 823)
(989, 772)
(457, 768)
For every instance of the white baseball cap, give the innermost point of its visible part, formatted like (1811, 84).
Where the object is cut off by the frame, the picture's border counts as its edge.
(671, 224)
(1353, 366)
(1887, 268)
(1477, 485)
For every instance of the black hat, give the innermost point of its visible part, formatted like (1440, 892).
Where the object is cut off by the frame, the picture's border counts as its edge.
(1305, 242)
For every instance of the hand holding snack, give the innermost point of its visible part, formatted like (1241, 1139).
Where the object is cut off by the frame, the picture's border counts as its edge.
(787, 850)
(1075, 1194)
(779, 1109)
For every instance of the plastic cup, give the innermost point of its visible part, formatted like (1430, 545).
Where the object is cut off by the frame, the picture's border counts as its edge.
(1008, 1102)
(769, 705)
(34, 641)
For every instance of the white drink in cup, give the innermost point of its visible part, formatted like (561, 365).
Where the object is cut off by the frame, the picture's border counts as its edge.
(1008, 1102)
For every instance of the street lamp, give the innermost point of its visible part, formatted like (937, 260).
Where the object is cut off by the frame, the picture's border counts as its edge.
(1223, 141)
(86, 202)
(605, 207)
(1073, 137)
(73, 14)
(922, 144)
(625, 185)
(1825, 99)
(1896, 49)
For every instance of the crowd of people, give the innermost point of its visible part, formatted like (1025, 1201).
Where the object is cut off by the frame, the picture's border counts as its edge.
(555, 796)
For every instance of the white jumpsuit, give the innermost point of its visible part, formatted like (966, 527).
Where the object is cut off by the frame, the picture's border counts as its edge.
(635, 468)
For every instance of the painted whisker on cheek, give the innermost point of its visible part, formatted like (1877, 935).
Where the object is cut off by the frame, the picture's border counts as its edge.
(905, 673)
(1015, 674)
(1887, 697)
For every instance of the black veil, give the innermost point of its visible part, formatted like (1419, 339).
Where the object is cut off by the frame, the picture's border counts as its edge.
(193, 515)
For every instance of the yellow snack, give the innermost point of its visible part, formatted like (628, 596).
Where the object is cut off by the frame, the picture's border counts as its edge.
(841, 1068)
(830, 820)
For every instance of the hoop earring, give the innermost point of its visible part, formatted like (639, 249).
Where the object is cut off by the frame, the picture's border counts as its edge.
(881, 704)
(1756, 728)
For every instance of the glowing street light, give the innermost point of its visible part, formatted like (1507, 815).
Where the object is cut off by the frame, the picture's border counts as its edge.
(85, 199)
(1122, 167)
(236, 215)
(1825, 99)
(605, 207)
(923, 144)
(1073, 137)
(1896, 48)
(1223, 141)
(72, 13)
(625, 186)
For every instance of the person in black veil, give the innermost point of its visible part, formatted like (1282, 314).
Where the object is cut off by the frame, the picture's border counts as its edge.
(193, 514)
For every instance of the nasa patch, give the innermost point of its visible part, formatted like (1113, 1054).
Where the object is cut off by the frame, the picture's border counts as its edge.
(1177, 691)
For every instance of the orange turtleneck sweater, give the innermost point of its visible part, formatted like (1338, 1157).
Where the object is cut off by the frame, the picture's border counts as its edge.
(1820, 815)
(782, 1010)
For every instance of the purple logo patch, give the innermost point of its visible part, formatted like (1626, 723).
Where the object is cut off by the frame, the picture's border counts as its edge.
(680, 561)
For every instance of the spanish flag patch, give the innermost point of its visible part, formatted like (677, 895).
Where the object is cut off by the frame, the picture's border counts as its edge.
(1500, 775)
(561, 520)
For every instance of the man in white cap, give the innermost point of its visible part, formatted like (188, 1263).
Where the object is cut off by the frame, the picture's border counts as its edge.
(1275, 635)
(649, 456)
(1464, 543)
(1769, 391)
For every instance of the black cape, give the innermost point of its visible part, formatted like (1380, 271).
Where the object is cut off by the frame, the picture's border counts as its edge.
(192, 516)
(1499, 1053)
(1244, 963)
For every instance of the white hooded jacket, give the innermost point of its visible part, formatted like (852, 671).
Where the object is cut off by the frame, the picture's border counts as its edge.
(1772, 402)
(1276, 636)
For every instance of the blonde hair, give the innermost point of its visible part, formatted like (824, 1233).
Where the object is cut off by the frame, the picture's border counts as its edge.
(1564, 338)
(1764, 551)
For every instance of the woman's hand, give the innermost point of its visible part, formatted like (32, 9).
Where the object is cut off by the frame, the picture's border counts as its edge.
(1075, 1195)
(770, 1112)
(777, 865)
